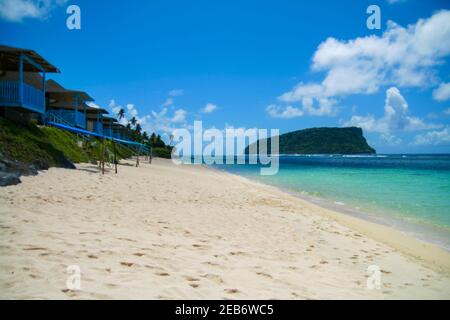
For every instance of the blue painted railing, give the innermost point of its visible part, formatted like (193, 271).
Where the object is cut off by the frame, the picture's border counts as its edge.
(33, 99)
(75, 118)
(107, 132)
(98, 127)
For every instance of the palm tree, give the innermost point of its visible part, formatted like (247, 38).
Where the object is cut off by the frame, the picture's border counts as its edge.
(138, 129)
(121, 114)
(133, 121)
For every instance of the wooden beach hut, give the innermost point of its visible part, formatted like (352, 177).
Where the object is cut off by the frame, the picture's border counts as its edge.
(108, 123)
(94, 119)
(119, 131)
(22, 81)
(66, 106)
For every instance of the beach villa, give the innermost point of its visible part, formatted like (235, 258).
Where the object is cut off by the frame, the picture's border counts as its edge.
(108, 123)
(25, 94)
(94, 119)
(66, 106)
(119, 131)
(22, 82)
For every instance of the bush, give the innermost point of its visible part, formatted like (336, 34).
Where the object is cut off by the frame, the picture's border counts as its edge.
(165, 153)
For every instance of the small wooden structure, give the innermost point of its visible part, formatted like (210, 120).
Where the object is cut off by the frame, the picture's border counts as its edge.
(108, 123)
(119, 131)
(22, 80)
(94, 119)
(65, 105)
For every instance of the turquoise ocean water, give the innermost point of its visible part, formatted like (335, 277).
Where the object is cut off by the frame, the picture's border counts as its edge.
(408, 192)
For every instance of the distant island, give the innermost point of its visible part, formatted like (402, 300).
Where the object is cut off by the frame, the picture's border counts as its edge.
(348, 140)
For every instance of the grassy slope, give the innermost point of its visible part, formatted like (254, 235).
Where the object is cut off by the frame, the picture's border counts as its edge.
(47, 146)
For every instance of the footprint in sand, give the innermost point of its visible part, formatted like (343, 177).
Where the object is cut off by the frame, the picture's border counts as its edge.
(199, 246)
(211, 263)
(139, 254)
(127, 264)
(189, 278)
(231, 291)
(214, 278)
(237, 253)
(70, 293)
(264, 275)
(34, 249)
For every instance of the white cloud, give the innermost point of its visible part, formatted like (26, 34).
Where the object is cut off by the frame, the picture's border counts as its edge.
(176, 92)
(130, 112)
(396, 117)
(179, 116)
(155, 121)
(115, 110)
(311, 105)
(169, 101)
(319, 106)
(92, 104)
(209, 108)
(395, 1)
(447, 111)
(163, 122)
(433, 138)
(391, 139)
(17, 10)
(401, 56)
(442, 93)
(289, 112)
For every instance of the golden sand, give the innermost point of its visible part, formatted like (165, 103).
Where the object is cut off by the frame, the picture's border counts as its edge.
(162, 231)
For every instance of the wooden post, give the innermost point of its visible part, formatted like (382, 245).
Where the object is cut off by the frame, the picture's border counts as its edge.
(103, 157)
(43, 93)
(115, 158)
(137, 158)
(21, 79)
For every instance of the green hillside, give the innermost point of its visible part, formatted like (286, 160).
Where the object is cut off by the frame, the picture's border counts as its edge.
(27, 148)
(324, 141)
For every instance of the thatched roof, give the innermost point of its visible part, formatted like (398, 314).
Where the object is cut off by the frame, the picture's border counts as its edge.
(53, 87)
(9, 60)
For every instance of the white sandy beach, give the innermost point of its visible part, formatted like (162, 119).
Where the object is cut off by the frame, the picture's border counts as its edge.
(162, 231)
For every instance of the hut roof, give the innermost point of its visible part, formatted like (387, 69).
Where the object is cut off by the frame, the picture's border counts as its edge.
(54, 87)
(94, 110)
(109, 120)
(118, 125)
(9, 60)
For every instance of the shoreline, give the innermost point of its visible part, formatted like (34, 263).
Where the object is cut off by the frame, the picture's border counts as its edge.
(162, 231)
(426, 233)
(422, 250)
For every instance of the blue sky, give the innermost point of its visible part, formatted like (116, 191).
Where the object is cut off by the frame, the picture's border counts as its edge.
(264, 64)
